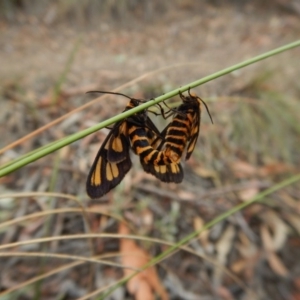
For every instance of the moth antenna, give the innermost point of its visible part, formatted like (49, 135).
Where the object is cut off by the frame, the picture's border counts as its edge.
(207, 110)
(116, 93)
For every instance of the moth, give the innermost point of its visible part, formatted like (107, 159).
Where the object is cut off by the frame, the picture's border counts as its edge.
(183, 130)
(113, 160)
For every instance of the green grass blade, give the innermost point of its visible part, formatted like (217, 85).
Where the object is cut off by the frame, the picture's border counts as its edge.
(72, 138)
(208, 225)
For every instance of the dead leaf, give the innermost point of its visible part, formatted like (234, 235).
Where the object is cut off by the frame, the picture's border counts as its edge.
(296, 282)
(187, 196)
(296, 296)
(238, 266)
(247, 194)
(145, 283)
(147, 217)
(266, 238)
(274, 169)
(224, 244)
(277, 265)
(294, 220)
(204, 235)
(274, 261)
(246, 248)
(250, 255)
(242, 169)
(279, 229)
(224, 293)
(223, 247)
(205, 173)
(255, 209)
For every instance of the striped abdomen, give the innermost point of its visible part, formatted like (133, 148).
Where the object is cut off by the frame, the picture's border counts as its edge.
(141, 145)
(178, 134)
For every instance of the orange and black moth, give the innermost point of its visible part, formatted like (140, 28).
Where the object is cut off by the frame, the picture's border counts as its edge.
(160, 153)
(113, 161)
(183, 131)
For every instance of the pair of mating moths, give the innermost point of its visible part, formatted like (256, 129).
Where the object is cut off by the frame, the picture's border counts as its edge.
(159, 152)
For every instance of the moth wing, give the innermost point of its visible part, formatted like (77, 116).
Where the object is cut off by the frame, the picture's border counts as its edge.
(166, 173)
(195, 129)
(104, 174)
(118, 144)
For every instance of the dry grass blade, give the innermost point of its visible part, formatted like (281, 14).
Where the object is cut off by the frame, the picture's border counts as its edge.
(50, 273)
(55, 211)
(65, 256)
(104, 235)
(60, 119)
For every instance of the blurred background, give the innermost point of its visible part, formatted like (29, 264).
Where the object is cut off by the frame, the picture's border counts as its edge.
(53, 52)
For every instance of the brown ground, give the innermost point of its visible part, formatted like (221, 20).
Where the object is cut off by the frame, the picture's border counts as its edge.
(34, 53)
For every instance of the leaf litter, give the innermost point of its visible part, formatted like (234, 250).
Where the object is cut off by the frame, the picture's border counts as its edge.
(250, 147)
